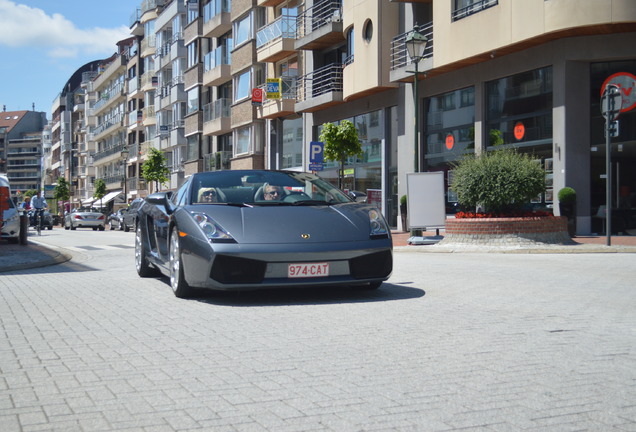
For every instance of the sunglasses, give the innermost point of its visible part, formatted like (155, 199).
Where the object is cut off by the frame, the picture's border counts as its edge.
(209, 194)
(272, 193)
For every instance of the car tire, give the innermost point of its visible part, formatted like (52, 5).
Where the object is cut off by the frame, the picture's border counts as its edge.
(126, 229)
(141, 260)
(94, 228)
(120, 227)
(50, 227)
(179, 286)
(73, 227)
(102, 228)
(65, 227)
(111, 226)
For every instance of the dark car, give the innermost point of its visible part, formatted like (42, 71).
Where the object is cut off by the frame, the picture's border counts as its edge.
(312, 235)
(116, 219)
(47, 219)
(130, 217)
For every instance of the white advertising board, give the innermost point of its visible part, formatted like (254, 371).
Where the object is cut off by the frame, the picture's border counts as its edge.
(425, 200)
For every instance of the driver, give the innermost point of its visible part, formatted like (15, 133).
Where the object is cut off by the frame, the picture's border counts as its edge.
(272, 193)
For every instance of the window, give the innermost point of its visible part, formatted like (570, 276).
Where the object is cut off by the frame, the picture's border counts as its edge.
(242, 85)
(367, 31)
(193, 100)
(242, 140)
(350, 47)
(192, 147)
(242, 30)
(193, 54)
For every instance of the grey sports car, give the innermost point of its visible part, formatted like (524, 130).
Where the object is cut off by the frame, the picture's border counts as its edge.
(252, 229)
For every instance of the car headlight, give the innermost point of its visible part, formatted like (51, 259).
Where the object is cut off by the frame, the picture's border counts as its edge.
(377, 224)
(213, 231)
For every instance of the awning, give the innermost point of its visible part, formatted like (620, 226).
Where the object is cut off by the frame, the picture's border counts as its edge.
(105, 199)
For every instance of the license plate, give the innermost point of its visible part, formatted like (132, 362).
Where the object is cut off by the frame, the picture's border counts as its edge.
(308, 270)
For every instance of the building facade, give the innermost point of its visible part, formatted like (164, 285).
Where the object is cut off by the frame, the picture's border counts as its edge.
(230, 84)
(21, 148)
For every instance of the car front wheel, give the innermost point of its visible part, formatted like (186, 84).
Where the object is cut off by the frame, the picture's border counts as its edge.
(178, 283)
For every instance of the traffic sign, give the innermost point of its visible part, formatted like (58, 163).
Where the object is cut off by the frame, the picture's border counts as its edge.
(611, 102)
(316, 155)
(626, 83)
(612, 128)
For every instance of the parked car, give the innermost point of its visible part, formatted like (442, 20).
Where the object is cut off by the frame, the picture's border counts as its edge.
(85, 217)
(130, 217)
(116, 219)
(314, 235)
(358, 196)
(47, 219)
(10, 220)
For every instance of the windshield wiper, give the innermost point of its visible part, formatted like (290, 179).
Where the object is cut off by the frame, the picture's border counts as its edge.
(237, 204)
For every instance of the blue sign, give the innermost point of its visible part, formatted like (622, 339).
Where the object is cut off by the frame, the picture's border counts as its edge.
(316, 155)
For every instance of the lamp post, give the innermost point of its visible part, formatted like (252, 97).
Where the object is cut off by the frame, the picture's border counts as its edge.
(124, 155)
(415, 46)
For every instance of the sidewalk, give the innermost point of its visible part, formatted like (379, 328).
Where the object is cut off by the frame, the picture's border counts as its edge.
(583, 244)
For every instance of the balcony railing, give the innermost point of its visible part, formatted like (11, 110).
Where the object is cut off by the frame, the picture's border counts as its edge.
(217, 109)
(107, 124)
(318, 16)
(399, 55)
(214, 8)
(148, 5)
(321, 81)
(106, 95)
(116, 149)
(474, 7)
(283, 27)
(217, 57)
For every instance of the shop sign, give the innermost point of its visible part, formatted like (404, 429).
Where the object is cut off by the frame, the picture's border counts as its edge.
(626, 83)
(450, 141)
(519, 131)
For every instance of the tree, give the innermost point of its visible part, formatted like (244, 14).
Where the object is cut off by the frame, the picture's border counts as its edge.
(62, 191)
(341, 141)
(499, 181)
(155, 168)
(100, 190)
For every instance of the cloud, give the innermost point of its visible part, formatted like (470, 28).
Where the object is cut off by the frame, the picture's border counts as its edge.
(21, 25)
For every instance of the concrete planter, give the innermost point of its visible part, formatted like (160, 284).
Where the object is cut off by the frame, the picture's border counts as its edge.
(507, 231)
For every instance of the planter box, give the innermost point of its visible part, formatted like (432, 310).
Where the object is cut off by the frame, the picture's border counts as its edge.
(507, 231)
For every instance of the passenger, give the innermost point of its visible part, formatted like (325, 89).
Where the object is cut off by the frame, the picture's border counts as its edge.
(208, 195)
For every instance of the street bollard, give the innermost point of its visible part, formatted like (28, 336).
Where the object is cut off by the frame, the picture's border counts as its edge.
(24, 227)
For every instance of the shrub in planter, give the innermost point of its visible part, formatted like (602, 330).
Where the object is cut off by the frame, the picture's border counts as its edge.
(567, 207)
(501, 182)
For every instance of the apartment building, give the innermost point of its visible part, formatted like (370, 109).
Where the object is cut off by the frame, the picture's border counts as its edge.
(21, 136)
(524, 75)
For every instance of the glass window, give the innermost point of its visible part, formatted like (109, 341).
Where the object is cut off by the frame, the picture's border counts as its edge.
(192, 147)
(193, 100)
(292, 147)
(242, 30)
(243, 85)
(242, 140)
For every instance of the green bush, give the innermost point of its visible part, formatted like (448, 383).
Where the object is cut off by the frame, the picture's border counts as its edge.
(567, 195)
(499, 181)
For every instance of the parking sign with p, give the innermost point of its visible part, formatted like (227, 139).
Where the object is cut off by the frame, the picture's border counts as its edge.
(316, 155)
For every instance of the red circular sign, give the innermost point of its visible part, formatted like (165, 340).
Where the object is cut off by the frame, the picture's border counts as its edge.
(450, 141)
(520, 131)
(626, 82)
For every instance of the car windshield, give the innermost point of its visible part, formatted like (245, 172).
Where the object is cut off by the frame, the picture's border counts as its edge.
(256, 187)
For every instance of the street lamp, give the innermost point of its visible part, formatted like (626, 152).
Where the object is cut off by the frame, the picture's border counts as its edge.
(124, 155)
(415, 46)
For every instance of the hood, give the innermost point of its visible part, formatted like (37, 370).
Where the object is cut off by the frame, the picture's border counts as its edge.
(285, 224)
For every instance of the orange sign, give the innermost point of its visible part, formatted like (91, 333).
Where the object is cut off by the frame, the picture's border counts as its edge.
(257, 96)
(450, 141)
(520, 131)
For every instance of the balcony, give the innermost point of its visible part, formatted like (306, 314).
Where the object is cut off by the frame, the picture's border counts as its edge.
(269, 3)
(108, 96)
(400, 59)
(148, 45)
(217, 67)
(134, 119)
(111, 153)
(320, 89)
(100, 131)
(284, 106)
(276, 41)
(136, 184)
(320, 27)
(216, 117)
(216, 18)
(149, 117)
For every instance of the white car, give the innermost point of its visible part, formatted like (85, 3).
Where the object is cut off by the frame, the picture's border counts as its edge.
(85, 217)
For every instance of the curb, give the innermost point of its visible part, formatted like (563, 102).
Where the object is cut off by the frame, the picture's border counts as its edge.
(32, 255)
(576, 248)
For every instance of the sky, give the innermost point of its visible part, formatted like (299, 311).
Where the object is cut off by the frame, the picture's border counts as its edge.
(43, 42)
